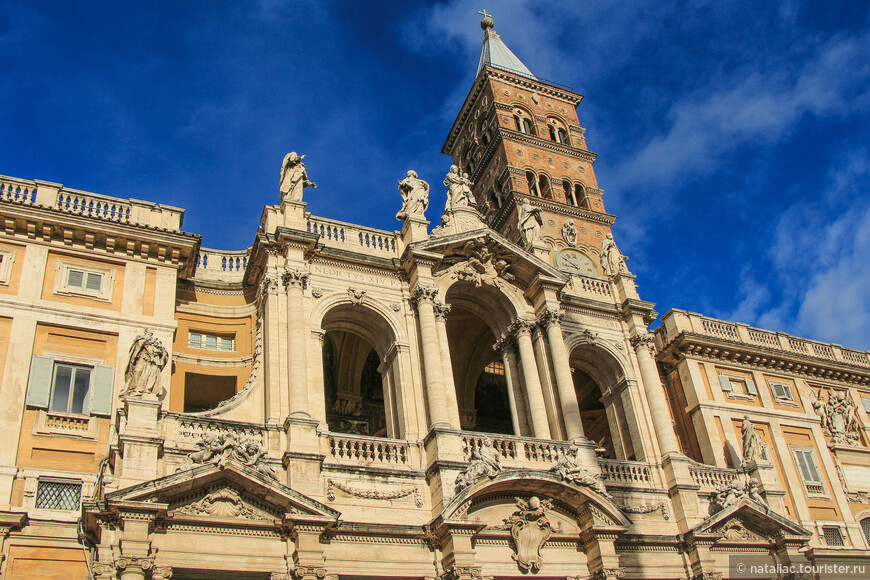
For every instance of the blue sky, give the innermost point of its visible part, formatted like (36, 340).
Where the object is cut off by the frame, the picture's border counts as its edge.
(732, 136)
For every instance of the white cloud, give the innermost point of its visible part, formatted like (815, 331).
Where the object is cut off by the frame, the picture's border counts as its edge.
(819, 286)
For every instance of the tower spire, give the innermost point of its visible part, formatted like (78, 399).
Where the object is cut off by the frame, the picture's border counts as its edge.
(495, 53)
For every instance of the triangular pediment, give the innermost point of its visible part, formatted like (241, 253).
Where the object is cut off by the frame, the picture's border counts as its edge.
(749, 521)
(485, 256)
(232, 491)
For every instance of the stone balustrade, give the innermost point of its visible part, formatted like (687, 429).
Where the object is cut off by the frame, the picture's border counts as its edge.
(711, 478)
(360, 449)
(518, 452)
(354, 238)
(92, 205)
(186, 431)
(676, 322)
(629, 473)
(221, 265)
(593, 287)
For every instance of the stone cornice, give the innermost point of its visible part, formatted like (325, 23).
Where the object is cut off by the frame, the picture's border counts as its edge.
(701, 346)
(514, 135)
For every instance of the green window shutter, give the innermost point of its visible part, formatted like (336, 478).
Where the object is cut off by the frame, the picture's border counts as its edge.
(751, 388)
(39, 383)
(725, 383)
(102, 388)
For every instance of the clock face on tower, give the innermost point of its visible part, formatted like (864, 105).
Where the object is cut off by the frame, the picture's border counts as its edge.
(576, 262)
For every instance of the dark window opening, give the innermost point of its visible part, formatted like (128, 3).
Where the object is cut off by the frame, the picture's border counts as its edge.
(491, 405)
(563, 136)
(205, 392)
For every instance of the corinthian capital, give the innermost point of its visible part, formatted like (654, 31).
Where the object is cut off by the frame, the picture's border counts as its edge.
(645, 340)
(442, 310)
(551, 317)
(504, 343)
(522, 326)
(295, 278)
(424, 293)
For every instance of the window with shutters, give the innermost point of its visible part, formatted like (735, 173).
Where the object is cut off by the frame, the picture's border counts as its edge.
(7, 258)
(87, 280)
(67, 393)
(809, 471)
(738, 386)
(782, 392)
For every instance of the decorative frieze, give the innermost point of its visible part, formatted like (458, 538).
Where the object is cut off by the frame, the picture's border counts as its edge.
(332, 485)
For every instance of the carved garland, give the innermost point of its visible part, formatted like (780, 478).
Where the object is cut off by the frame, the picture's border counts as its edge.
(371, 493)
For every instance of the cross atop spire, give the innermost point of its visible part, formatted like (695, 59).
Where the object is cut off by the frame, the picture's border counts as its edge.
(487, 21)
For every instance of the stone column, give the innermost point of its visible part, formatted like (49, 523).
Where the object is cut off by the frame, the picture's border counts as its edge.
(433, 368)
(441, 312)
(655, 395)
(512, 376)
(537, 406)
(295, 282)
(501, 346)
(564, 382)
(132, 568)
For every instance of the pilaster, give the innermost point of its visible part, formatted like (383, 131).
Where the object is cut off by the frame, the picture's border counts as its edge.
(140, 444)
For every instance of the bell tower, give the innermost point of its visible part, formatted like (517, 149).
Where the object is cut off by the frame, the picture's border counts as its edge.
(518, 138)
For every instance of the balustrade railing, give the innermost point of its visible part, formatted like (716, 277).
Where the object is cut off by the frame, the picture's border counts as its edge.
(351, 237)
(359, 449)
(186, 430)
(594, 286)
(517, 451)
(221, 264)
(678, 321)
(710, 478)
(87, 204)
(631, 472)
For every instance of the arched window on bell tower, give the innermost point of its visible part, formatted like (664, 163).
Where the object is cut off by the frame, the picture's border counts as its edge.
(544, 184)
(563, 136)
(552, 132)
(578, 194)
(533, 184)
(528, 127)
(569, 193)
(518, 122)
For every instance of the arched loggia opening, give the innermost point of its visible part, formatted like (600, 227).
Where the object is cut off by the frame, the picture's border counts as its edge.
(605, 402)
(479, 376)
(358, 374)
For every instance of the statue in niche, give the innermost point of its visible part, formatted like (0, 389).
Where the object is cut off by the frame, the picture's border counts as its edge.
(570, 468)
(415, 197)
(147, 359)
(838, 417)
(294, 178)
(612, 260)
(485, 462)
(530, 528)
(530, 221)
(752, 445)
(458, 189)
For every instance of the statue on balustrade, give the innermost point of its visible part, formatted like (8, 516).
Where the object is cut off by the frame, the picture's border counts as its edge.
(415, 197)
(220, 447)
(458, 189)
(612, 260)
(294, 178)
(570, 468)
(485, 462)
(147, 359)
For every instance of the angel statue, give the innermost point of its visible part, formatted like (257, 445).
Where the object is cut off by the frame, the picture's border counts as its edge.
(294, 178)
(415, 196)
(147, 359)
(530, 222)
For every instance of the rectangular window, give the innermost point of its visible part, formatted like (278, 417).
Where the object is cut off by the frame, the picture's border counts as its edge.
(738, 386)
(809, 471)
(70, 389)
(58, 494)
(782, 392)
(211, 342)
(866, 403)
(84, 281)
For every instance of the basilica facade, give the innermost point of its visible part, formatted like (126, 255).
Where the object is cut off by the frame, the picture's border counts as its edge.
(478, 397)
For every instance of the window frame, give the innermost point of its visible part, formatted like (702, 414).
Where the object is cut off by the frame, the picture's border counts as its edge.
(789, 400)
(219, 338)
(7, 261)
(61, 280)
(86, 401)
(43, 480)
(816, 488)
(749, 390)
